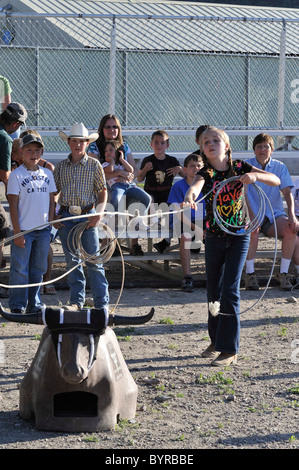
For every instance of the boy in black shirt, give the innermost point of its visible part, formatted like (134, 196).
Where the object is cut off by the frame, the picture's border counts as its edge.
(159, 169)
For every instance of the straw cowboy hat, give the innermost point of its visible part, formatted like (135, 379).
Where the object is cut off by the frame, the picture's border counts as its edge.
(79, 131)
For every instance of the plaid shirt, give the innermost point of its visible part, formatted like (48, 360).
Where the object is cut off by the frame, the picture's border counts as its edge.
(80, 184)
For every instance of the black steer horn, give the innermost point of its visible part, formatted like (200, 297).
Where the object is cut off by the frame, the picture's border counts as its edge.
(122, 320)
(37, 318)
(34, 318)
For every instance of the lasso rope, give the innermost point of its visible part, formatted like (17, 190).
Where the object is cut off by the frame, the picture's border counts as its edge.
(102, 256)
(105, 252)
(247, 228)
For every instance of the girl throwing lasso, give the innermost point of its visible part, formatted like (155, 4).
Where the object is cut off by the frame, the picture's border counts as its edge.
(225, 253)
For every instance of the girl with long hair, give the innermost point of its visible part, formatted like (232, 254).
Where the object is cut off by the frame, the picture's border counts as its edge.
(110, 130)
(225, 253)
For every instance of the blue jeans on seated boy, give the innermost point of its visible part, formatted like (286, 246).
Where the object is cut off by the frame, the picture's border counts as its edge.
(225, 258)
(96, 273)
(28, 265)
(130, 191)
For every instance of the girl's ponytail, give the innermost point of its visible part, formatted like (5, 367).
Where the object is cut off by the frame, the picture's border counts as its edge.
(232, 171)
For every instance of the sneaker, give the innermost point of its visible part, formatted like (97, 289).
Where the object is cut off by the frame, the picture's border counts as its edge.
(225, 359)
(251, 282)
(136, 250)
(17, 310)
(210, 352)
(285, 281)
(162, 246)
(187, 284)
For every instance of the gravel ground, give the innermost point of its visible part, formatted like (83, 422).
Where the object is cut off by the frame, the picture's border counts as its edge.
(184, 404)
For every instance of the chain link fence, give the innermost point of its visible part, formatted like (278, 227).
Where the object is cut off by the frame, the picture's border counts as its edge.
(153, 71)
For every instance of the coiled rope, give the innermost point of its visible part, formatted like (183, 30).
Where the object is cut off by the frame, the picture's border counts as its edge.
(247, 228)
(100, 257)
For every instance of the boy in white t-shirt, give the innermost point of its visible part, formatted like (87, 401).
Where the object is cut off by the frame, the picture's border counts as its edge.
(30, 193)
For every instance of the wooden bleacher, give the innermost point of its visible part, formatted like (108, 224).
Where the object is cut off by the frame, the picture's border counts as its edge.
(160, 263)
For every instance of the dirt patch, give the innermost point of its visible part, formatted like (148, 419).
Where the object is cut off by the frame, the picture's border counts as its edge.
(183, 402)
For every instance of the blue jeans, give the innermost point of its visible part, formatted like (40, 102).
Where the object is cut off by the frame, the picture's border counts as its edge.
(130, 191)
(28, 265)
(225, 258)
(96, 273)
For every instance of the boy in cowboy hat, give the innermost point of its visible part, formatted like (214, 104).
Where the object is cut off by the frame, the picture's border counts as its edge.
(81, 186)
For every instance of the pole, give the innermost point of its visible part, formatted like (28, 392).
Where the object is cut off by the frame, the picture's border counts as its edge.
(281, 80)
(112, 69)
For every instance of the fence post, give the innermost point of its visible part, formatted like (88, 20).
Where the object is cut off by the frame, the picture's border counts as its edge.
(112, 69)
(281, 80)
(36, 108)
(125, 88)
(247, 95)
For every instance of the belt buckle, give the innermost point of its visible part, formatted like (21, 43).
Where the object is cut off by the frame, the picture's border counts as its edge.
(75, 210)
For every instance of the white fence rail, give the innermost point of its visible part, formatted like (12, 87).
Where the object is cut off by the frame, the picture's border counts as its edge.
(287, 153)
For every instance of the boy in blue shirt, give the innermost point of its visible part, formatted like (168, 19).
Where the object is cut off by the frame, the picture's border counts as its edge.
(287, 224)
(187, 222)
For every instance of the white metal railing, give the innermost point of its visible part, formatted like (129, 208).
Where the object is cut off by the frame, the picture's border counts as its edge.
(272, 19)
(187, 131)
(286, 153)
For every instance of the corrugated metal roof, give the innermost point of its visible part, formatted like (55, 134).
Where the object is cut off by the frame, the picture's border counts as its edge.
(173, 25)
(156, 7)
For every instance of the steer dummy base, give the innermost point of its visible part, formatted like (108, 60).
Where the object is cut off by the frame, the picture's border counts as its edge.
(107, 395)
